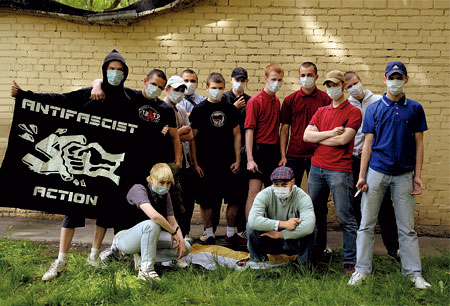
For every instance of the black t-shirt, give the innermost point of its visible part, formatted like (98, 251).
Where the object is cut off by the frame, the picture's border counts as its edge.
(230, 97)
(215, 139)
(154, 116)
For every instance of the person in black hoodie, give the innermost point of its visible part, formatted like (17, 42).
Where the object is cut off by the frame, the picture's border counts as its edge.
(115, 72)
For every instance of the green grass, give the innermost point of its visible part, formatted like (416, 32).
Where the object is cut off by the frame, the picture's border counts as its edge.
(22, 263)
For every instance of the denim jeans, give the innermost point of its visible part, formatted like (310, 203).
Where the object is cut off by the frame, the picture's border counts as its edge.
(404, 206)
(259, 247)
(386, 216)
(320, 182)
(146, 237)
(299, 165)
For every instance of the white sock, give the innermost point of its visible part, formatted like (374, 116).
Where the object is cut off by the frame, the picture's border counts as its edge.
(209, 232)
(62, 257)
(94, 253)
(231, 231)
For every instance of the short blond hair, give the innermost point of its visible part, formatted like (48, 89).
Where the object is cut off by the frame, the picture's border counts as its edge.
(161, 172)
(273, 67)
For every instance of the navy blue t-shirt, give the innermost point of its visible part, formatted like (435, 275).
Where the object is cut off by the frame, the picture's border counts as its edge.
(394, 124)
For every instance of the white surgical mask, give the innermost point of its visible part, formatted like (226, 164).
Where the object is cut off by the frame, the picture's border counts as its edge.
(395, 86)
(160, 189)
(282, 192)
(114, 77)
(152, 91)
(356, 90)
(334, 92)
(274, 86)
(307, 82)
(190, 88)
(176, 96)
(215, 94)
(238, 86)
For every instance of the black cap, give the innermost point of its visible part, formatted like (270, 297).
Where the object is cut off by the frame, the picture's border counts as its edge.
(239, 73)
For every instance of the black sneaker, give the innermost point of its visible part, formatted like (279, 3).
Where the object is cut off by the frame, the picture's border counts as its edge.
(210, 241)
(395, 255)
(236, 240)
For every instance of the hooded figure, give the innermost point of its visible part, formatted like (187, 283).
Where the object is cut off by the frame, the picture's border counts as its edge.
(114, 93)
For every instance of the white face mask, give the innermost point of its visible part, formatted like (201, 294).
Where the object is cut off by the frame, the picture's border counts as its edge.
(238, 86)
(282, 192)
(395, 86)
(356, 90)
(274, 86)
(152, 91)
(190, 88)
(215, 94)
(176, 96)
(307, 82)
(334, 92)
(115, 77)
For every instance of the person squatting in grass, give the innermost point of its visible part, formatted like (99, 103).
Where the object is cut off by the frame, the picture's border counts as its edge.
(392, 156)
(158, 234)
(115, 72)
(281, 220)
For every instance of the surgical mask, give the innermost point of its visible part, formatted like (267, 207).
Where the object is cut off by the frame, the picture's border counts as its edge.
(176, 96)
(356, 90)
(215, 94)
(395, 86)
(274, 86)
(282, 192)
(334, 92)
(190, 88)
(160, 189)
(238, 86)
(307, 82)
(114, 77)
(152, 91)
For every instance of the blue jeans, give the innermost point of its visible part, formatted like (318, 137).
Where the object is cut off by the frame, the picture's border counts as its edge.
(299, 165)
(320, 182)
(404, 205)
(146, 237)
(259, 247)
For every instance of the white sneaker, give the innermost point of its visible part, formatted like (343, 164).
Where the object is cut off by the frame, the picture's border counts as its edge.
(419, 282)
(137, 261)
(243, 234)
(94, 262)
(357, 279)
(148, 275)
(204, 236)
(55, 268)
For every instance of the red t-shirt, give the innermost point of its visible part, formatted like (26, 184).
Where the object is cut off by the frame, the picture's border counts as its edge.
(263, 116)
(297, 110)
(327, 118)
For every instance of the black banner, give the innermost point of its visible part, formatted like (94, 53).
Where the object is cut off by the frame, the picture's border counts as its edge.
(64, 158)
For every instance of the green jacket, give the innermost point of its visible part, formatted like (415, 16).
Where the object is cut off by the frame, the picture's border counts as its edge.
(267, 209)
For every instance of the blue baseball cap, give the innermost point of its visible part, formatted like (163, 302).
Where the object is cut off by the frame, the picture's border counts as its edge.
(395, 66)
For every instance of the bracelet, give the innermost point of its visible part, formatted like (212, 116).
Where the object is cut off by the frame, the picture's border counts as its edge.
(176, 230)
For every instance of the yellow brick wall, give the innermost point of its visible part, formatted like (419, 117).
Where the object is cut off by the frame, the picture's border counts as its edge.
(47, 54)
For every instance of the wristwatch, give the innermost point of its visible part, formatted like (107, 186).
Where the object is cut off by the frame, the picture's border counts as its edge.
(176, 230)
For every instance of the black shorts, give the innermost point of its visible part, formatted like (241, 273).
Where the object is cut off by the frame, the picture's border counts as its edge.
(267, 157)
(80, 221)
(214, 186)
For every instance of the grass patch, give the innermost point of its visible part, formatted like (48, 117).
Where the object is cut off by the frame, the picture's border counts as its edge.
(22, 264)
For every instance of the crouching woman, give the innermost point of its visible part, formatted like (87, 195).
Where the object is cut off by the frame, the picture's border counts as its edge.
(155, 238)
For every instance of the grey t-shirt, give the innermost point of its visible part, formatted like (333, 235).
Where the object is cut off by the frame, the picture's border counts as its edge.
(138, 195)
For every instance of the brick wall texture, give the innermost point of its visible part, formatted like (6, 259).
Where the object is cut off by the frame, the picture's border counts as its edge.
(47, 54)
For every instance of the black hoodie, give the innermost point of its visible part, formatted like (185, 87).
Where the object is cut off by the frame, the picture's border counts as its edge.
(114, 93)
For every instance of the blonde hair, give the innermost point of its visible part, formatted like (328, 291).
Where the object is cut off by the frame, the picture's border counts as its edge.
(161, 172)
(273, 67)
